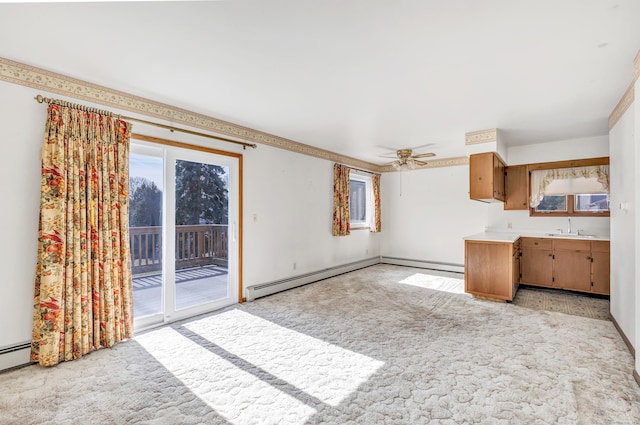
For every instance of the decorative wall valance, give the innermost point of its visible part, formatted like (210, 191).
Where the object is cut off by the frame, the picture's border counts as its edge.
(561, 181)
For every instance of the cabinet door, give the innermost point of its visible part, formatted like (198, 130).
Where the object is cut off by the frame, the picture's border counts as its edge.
(600, 271)
(498, 178)
(481, 176)
(516, 188)
(536, 266)
(516, 267)
(572, 270)
(487, 269)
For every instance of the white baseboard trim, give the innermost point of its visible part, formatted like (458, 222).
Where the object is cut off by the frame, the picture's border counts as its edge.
(423, 264)
(15, 356)
(264, 289)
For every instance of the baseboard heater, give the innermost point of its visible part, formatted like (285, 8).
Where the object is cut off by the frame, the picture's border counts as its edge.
(262, 290)
(423, 264)
(15, 355)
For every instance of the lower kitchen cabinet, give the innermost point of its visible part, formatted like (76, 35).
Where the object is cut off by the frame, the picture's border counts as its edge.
(489, 269)
(571, 264)
(600, 267)
(537, 261)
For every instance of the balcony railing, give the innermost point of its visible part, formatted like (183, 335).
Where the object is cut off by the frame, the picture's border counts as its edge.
(196, 245)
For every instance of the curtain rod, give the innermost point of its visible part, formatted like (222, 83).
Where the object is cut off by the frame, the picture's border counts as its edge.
(359, 169)
(49, 100)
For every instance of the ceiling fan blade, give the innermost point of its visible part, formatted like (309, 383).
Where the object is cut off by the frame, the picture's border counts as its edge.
(423, 146)
(424, 155)
(387, 163)
(389, 148)
(416, 161)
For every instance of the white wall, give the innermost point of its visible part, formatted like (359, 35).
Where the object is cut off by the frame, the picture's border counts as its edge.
(635, 140)
(22, 123)
(290, 194)
(291, 197)
(426, 213)
(623, 223)
(563, 150)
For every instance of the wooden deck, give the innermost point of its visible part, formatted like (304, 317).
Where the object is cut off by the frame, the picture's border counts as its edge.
(194, 286)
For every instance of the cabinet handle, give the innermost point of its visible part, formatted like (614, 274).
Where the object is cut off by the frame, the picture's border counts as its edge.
(550, 255)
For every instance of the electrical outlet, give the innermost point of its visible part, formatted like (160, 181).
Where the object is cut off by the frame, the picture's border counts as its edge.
(294, 266)
(509, 225)
(255, 218)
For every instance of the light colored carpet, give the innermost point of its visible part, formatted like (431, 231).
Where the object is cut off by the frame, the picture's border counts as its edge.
(382, 345)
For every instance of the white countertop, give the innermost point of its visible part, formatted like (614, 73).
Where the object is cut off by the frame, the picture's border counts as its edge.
(494, 237)
(511, 237)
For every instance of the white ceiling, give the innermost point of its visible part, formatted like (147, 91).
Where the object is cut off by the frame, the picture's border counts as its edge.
(351, 75)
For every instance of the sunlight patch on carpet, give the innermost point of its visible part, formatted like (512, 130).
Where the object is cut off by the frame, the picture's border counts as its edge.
(437, 283)
(238, 396)
(320, 369)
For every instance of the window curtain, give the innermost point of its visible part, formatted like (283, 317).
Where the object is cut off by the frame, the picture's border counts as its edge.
(568, 181)
(376, 216)
(83, 291)
(341, 215)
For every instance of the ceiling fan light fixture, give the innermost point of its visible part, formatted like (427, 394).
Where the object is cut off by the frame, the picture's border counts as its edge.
(407, 161)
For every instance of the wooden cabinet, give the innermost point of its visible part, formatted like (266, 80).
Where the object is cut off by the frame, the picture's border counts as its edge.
(489, 269)
(516, 267)
(571, 264)
(537, 261)
(516, 188)
(486, 177)
(600, 267)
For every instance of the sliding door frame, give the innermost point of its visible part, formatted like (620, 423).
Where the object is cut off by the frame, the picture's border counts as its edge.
(238, 156)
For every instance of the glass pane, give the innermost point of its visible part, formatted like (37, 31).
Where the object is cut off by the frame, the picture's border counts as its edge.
(145, 231)
(553, 203)
(202, 208)
(357, 201)
(592, 202)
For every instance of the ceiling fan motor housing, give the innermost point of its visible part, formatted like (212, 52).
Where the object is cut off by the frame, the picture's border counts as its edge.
(403, 154)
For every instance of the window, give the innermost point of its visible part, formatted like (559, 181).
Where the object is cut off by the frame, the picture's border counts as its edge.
(360, 200)
(597, 202)
(578, 204)
(579, 191)
(552, 203)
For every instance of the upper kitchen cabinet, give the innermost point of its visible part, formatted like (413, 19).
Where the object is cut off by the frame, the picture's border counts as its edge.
(516, 188)
(486, 177)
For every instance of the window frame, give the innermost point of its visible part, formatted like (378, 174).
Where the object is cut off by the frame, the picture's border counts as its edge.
(368, 181)
(571, 212)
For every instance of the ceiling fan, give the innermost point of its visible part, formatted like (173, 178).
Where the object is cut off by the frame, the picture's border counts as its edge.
(406, 160)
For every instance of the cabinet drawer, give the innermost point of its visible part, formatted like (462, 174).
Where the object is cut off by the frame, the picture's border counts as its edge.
(600, 246)
(539, 243)
(571, 245)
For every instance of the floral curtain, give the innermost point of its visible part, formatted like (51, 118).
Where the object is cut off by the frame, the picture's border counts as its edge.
(341, 214)
(376, 225)
(83, 290)
(541, 179)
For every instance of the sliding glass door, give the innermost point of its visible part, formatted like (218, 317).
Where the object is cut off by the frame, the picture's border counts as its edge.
(183, 224)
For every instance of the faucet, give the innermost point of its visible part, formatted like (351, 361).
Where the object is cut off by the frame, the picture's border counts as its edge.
(569, 228)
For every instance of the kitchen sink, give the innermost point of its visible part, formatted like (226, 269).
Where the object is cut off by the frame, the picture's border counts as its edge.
(570, 235)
